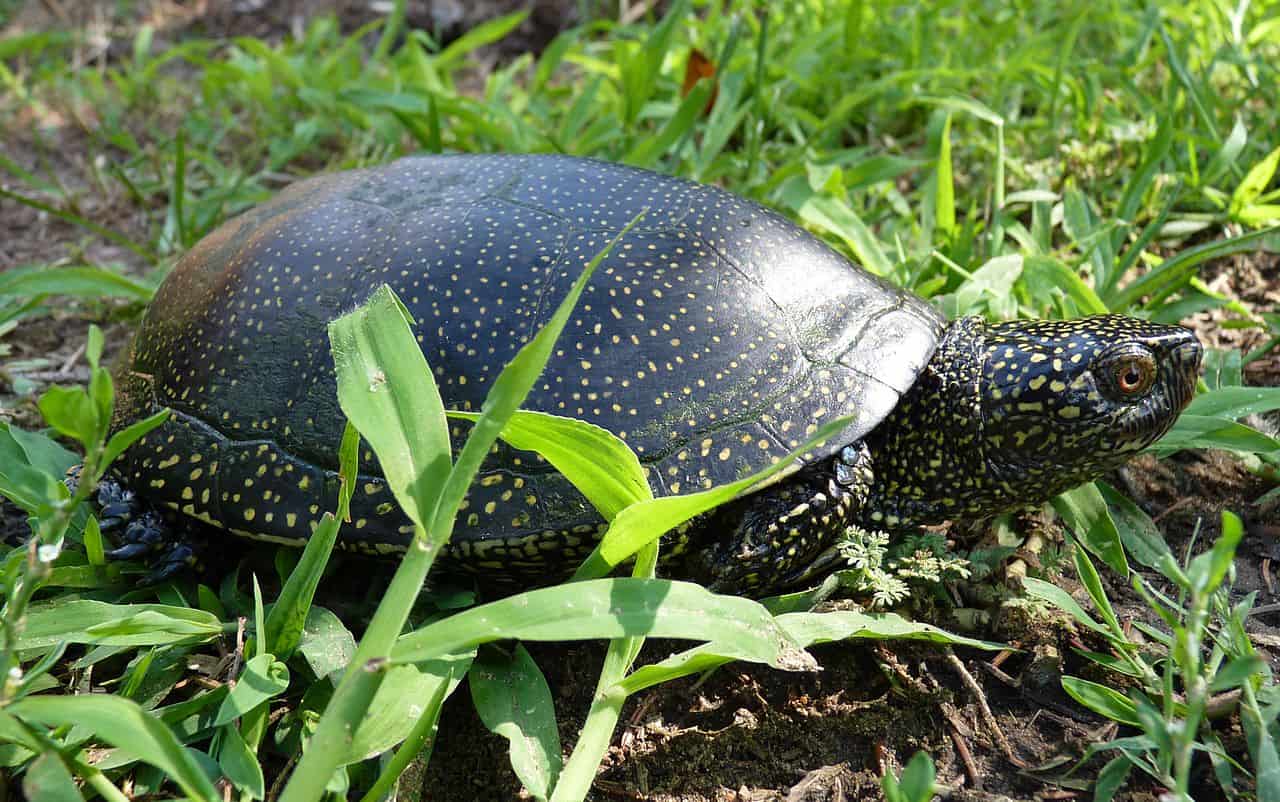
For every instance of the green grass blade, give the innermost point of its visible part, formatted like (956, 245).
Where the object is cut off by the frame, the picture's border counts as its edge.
(1102, 700)
(610, 608)
(1175, 271)
(83, 282)
(288, 616)
(122, 724)
(646, 521)
(387, 391)
(403, 699)
(596, 461)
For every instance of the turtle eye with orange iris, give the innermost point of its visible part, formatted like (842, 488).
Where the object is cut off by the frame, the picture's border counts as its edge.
(1135, 375)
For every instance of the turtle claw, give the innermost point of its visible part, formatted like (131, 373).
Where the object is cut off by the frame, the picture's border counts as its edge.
(128, 551)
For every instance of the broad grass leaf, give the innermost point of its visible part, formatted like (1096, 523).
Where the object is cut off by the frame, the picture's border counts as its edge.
(1200, 431)
(806, 629)
(916, 782)
(131, 434)
(599, 463)
(87, 621)
(125, 725)
(1042, 275)
(1141, 538)
(40, 451)
(486, 33)
(944, 199)
(83, 282)
(262, 678)
(407, 693)
(326, 645)
(239, 762)
(612, 608)
(1255, 181)
(1063, 601)
(1175, 271)
(1101, 700)
(512, 699)
(814, 628)
(1111, 779)
(47, 779)
(645, 521)
(1234, 403)
(374, 351)
(1085, 512)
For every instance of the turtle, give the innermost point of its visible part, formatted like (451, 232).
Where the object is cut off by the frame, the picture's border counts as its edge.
(714, 339)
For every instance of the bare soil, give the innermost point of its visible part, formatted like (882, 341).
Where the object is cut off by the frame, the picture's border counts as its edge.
(744, 733)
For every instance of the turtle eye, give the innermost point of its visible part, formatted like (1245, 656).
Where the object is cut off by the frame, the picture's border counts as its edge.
(1134, 374)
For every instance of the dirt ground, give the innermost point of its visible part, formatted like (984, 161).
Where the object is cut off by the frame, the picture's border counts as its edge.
(744, 733)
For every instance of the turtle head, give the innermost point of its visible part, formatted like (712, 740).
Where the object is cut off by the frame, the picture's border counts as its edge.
(1064, 401)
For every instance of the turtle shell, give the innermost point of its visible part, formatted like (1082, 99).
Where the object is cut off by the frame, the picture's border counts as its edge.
(714, 339)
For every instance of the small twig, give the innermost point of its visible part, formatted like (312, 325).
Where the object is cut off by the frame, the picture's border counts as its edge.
(962, 748)
(70, 362)
(1177, 505)
(987, 717)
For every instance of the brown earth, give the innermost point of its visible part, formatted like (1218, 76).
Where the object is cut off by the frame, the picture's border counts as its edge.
(744, 733)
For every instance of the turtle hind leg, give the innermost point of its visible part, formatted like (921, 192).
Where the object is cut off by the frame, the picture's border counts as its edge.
(784, 534)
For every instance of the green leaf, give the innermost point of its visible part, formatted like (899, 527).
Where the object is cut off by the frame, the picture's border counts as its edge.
(408, 693)
(1102, 700)
(612, 608)
(509, 391)
(513, 700)
(944, 184)
(916, 782)
(374, 350)
(70, 412)
(48, 780)
(40, 452)
(239, 762)
(1235, 402)
(292, 611)
(1111, 779)
(646, 521)
(326, 644)
(1062, 600)
(486, 33)
(262, 678)
(1255, 181)
(599, 463)
(130, 435)
(1141, 539)
(1199, 431)
(813, 628)
(1237, 672)
(1207, 570)
(83, 282)
(1085, 512)
(647, 152)
(86, 621)
(125, 725)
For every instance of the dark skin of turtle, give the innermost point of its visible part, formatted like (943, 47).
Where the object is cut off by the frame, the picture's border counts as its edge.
(714, 340)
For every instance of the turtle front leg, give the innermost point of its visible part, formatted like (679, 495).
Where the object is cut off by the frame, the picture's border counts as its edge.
(143, 532)
(785, 534)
